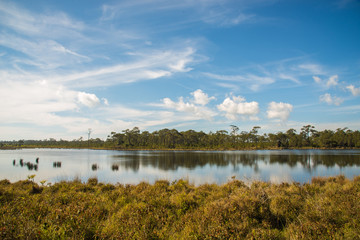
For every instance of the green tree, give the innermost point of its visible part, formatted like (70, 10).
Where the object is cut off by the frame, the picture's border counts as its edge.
(306, 132)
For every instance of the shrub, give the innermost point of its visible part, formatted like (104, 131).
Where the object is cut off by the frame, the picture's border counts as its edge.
(327, 208)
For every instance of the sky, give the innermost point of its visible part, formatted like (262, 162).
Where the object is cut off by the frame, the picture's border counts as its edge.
(67, 66)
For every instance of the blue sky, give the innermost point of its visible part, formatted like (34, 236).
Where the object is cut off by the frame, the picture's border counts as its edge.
(66, 66)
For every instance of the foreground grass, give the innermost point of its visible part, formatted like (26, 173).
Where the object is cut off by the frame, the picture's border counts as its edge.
(328, 208)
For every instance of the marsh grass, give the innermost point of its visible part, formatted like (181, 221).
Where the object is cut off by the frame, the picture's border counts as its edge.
(326, 208)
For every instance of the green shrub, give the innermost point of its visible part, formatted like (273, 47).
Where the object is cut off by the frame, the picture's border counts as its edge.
(327, 208)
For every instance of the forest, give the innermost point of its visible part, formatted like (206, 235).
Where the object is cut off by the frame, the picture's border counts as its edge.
(234, 139)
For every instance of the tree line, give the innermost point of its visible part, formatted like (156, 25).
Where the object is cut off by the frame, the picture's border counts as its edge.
(308, 137)
(234, 139)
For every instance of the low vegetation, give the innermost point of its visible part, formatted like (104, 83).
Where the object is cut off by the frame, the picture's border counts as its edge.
(326, 208)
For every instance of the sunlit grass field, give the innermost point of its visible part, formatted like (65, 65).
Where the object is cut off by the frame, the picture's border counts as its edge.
(327, 208)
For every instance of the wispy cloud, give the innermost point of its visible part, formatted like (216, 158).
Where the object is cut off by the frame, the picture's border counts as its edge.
(50, 59)
(317, 79)
(234, 87)
(292, 78)
(311, 68)
(44, 54)
(29, 33)
(54, 24)
(107, 76)
(286, 72)
(354, 91)
(48, 105)
(254, 81)
(332, 81)
(227, 18)
(145, 66)
(56, 67)
(56, 58)
(40, 102)
(331, 100)
(222, 13)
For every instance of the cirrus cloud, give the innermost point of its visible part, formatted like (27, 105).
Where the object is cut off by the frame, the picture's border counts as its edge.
(252, 81)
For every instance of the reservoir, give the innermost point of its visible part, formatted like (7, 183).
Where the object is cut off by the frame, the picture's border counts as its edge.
(198, 167)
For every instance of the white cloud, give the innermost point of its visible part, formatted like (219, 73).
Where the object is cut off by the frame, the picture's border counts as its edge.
(48, 55)
(58, 43)
(311, 68)
(355, 91)
(289, 77)
(220, 13)
(105, 101)
(88, 99)
(317, 79)
(333, 81)
(184, 58)
(23, 21)
(226, 18)
(45, 54)
(254, 81)
(196, 107)
(181, 106)
(331, 100)
(62, 49)
(145, 66)
(42, 103)
(52, 110)
(237, 106)
(201, 98)
(233, 87)
(157, 74)
(20, 99)
(279, 110)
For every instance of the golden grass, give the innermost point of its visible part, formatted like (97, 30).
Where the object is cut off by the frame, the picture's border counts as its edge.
(328, 208)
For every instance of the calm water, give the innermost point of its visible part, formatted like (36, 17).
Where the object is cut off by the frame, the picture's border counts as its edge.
(197, 166)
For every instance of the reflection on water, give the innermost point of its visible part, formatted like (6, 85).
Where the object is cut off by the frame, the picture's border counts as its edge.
(94, 167)
(197, 166)
(171, 161)
(56, 164)
(115, 167)
(29, 165)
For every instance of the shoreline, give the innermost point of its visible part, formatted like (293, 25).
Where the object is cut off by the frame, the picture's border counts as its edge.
(172, 149)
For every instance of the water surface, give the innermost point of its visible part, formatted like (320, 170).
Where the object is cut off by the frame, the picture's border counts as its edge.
(199, 167)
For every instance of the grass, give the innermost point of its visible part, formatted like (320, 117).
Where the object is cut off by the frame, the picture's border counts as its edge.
(327, 208)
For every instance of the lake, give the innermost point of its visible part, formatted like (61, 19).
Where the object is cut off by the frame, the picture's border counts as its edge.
(199, 167)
